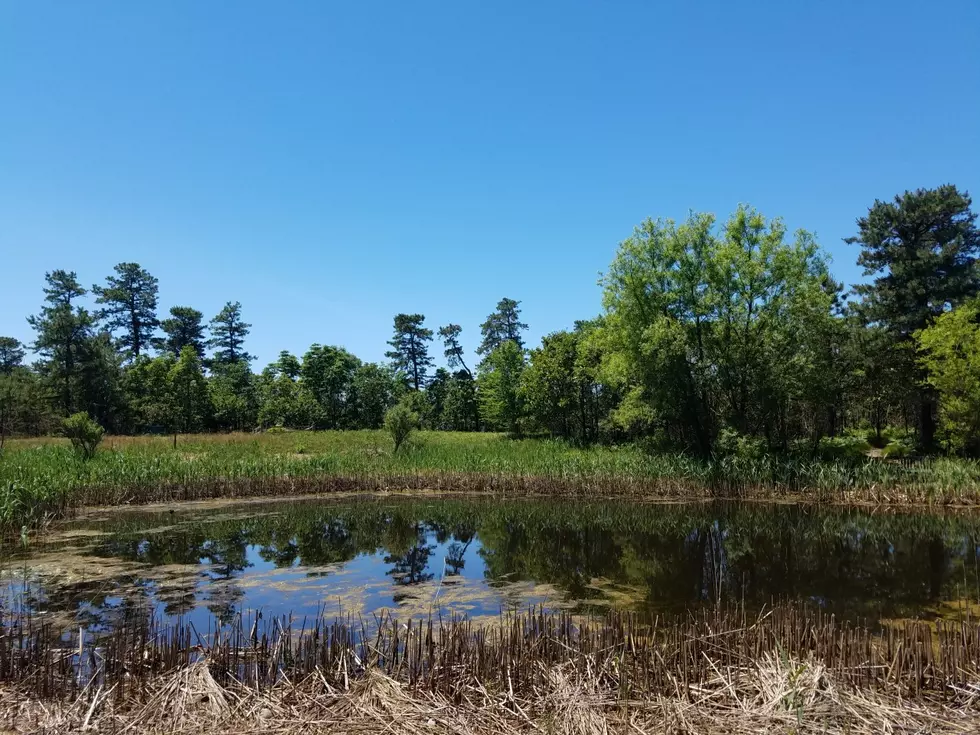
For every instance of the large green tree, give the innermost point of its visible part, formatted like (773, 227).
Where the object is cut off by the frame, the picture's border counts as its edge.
(284, 400)
(191, 402)
(62, 330)
(129, 305)
(376, 388)
(950, 353)
(709, 330)
(410, 348)
(328, 373)
(503, 325)
(501, 404)
(921, 249)
(228, 333)
(183, 327)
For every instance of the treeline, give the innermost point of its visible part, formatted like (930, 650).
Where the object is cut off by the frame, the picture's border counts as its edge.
(712, 336)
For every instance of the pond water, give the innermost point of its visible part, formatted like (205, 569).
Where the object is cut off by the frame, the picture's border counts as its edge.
(477, 557)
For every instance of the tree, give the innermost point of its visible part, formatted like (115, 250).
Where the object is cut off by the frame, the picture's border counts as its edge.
(410, 351)
(328, 373)
(11, 354)
(375, 389)
(149, 394)
(130, 306)
(454, 350)
(499, 388)
(706, 331)
(460, 410)
(62, 331)
(228, 333)
(949, 351)
(84, 434)
(502, 325)
(435, 399)
(231, 387)
(922, 249)
(191, 404)
(400, 422)
(184, 327)
(284, 400)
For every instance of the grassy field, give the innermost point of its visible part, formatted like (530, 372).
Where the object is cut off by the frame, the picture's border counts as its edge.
(44, 478)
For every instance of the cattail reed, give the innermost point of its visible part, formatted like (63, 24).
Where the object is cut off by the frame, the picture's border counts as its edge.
(634, 655)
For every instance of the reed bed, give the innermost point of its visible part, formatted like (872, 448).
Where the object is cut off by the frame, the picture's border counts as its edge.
(715, 671)
(45, 479)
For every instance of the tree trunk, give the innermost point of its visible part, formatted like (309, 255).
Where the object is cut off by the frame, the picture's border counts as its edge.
(927, 421)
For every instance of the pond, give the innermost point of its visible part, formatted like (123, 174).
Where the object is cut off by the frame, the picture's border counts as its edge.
(477, 557)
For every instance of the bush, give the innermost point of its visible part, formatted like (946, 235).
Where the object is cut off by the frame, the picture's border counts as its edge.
(400, 421)
(84, 433)
(897, 449)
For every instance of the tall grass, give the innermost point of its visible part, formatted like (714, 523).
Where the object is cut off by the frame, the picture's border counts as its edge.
(45, 478)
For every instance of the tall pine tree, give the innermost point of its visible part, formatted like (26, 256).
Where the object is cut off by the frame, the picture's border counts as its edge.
(129, 301)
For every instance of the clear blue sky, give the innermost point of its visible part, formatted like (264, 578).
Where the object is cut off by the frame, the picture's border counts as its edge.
(330, 164)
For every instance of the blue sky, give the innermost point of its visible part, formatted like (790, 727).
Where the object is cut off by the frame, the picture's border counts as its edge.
(330, 164)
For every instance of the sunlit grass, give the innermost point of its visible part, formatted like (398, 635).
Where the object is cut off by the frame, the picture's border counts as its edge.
(41, 478)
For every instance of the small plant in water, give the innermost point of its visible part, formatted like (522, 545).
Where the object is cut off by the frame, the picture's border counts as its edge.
(400, 422)
(84, 433)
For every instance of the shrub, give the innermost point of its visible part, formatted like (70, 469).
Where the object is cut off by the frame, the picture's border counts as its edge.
(84, 433)
(400, 421)
(897, 449)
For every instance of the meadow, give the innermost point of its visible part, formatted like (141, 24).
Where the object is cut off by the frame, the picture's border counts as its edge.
(44, 479)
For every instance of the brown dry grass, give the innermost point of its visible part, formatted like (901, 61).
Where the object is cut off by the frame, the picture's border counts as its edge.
(776, 695)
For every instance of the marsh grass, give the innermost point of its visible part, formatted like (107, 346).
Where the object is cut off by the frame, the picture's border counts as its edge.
(43, 478)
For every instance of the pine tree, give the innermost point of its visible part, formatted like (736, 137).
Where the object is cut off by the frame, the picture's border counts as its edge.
(502, 325)
(183, 328)
(228, 333)
(130, 304)
(410, 351)
(62, 332)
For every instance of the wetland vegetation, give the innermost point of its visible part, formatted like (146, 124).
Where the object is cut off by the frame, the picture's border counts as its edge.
(727, 363)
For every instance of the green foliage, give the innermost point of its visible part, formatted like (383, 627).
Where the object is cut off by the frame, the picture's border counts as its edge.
(11, 355)
(63, 330)
(228, 333)
(922, 249)
(499, 382)
(183, 328)
(400, 422)
(129, 301)
(454, 350)
(232, 389)
(460, 408)
(715, 330)
(950, 354)
(84, 434)
(190, 406)
(376, 388)
(410, 350)
(328, 374)
(501, 326)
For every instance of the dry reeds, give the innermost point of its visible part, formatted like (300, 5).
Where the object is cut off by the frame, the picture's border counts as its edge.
(786, 670)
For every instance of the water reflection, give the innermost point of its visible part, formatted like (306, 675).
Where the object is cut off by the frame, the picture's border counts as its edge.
(479, 556)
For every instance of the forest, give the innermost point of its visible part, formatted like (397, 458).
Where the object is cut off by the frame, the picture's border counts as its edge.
(714, 337)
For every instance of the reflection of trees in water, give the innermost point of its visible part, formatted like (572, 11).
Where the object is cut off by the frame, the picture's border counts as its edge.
(669, 555)
(409, 555)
